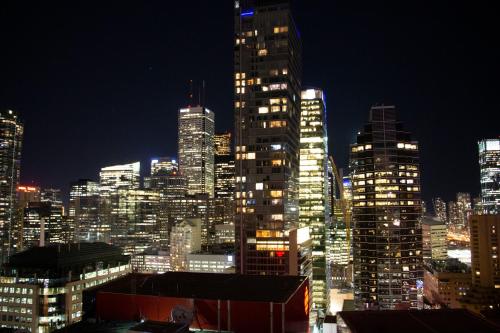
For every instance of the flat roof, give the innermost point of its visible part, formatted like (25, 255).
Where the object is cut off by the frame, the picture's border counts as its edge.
(417, 321)
(258, 288)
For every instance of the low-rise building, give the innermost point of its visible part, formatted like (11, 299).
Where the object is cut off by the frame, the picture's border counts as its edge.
(41, 288)
(446, 282)
(151, 261)
(434, 237)
(218, 259)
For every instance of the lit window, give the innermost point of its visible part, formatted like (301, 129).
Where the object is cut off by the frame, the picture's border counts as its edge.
(263, 109)
(262, 52)
(251, 156)
(259, 186)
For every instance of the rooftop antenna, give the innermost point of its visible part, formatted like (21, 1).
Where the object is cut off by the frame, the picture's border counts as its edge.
(190, 92)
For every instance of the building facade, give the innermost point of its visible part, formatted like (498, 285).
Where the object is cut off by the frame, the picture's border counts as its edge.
(11, 140)
(314, 210)
(185, 238)
(489, 164)
(387, 236)
(41, 289)
(196, 148)
(84, 210)
(440, 209)
(267, 74)
(434, 239)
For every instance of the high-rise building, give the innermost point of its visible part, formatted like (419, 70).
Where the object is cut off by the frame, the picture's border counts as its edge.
(84, 210)
(164, 165)
(196, 148)
(134, 225)
(267, 74)
(25, 195)
(222, 144)
(434, 242)
(464, 206)
(489, 164)
(43, 224)
(224, 177)
(440, 209)
(185, 238)
(454, 215)
(112, 179)
(387, 236)
(314, 211)
(11, 139)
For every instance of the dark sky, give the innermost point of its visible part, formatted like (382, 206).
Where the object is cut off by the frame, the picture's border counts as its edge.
(100, 82)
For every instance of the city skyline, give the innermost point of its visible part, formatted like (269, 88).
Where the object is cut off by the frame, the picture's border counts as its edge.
(101, 90)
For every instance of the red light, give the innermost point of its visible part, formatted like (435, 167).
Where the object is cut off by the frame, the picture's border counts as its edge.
(280, 253)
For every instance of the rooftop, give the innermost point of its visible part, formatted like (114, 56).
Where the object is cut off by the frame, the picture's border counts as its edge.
(208, 286)
(57, 258)
(416, 321)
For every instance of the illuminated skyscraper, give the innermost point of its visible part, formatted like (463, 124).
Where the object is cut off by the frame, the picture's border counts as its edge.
(267, 74)
(489, 164)
(222, 144)
(164, 165)
(112, 179)
(387, 236)
(25, 195)
(43, 222)
(313, 190)
(464, 206)
(196, 149)
(84, 210)
(11, 139)
(440, 209)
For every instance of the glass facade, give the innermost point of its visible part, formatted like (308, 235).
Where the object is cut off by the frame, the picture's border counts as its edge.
(196, 149)
(489, 164)
(387, 233)
(11, 139)
(84, 210)
(314, 210)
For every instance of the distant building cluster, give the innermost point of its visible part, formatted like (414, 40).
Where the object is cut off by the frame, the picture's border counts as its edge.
(263, 206)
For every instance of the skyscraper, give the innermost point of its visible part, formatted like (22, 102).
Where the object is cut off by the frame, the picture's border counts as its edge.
(313, 190)
(464, 206)
(112, 179)
(267, 74)
(164, 165)
(11, 139)
(84, 210)
(387, 236)
(440, 209)
(222, 144)
(196, 148)
(489, 164)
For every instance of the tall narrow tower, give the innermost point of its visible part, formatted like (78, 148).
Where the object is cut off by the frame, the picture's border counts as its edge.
(387, 238)
(196, 148)
(313, 190)
(11, 139)
(267, 71)
(489, 164)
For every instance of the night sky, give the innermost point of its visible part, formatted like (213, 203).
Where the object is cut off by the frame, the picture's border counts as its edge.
(100, 82)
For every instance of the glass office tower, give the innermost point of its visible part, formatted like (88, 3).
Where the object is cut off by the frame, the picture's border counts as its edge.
(314, 210)
(11, 139)
(387, 234)
(489, 164)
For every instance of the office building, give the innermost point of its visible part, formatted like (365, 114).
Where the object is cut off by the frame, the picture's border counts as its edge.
(41, 288)
(454, 219)
(464, 206)
(267, 113)
(25, 195)
(196, 148)
(134, 226)
(11, 139)
(111, 179)
(446, 282)
(489, 164)
(164, 165)
(211, 262)
(387, 237)
(440, 209)
(314, 211)
(84, 210)
(224, 177)
(42, 224)
(434, 239)
(152, 260)
(185, 238)
(222, 144)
